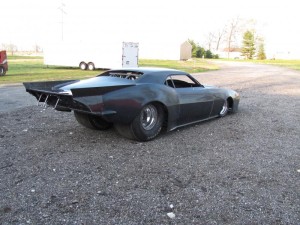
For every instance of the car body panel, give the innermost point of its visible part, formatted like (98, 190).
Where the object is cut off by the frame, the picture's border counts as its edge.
(118, 96)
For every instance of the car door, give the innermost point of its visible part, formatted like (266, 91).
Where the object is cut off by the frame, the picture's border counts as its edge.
(195, 100)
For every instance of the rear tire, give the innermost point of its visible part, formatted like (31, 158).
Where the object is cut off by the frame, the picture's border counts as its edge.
(83, 65)
(91, 121)
(125, 131)
(146, 125)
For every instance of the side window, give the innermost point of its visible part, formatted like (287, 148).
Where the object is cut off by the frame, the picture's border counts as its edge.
(169, 82)
(180, 81)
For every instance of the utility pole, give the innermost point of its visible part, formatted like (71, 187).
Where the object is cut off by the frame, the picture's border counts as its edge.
(61, 8)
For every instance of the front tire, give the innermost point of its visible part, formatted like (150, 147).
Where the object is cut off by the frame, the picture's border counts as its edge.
(224, 110)
(83, 65)
(146, 125)
(91, 121)
(2, 71)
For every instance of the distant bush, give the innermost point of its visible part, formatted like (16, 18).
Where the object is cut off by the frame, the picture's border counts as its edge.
(216, 56)
(200, 52)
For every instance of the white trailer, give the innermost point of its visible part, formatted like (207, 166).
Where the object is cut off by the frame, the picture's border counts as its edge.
(91, 56)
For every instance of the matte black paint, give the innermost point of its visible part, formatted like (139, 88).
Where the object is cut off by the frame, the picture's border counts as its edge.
(119, 100)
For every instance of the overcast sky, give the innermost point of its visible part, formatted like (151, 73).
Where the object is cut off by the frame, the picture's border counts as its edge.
(25, 23)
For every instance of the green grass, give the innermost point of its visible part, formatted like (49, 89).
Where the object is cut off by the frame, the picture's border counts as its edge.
(27, 69)
(15, 57)
(31, 68)
(292, 64)
(193, 66)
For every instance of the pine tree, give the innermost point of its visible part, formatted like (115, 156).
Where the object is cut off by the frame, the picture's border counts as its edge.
(248, 49)
(261, 55)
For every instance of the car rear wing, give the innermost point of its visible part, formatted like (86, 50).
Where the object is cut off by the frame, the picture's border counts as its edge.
(46, 96)
(81, 99)
(45, 86)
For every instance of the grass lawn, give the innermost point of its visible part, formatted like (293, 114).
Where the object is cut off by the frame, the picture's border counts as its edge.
(30, 68)
(193, 66)
(292, 64)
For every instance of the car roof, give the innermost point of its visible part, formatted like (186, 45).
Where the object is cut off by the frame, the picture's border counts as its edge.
(148, 74)
(147, 70)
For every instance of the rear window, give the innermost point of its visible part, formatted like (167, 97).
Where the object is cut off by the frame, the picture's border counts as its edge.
(130, 75)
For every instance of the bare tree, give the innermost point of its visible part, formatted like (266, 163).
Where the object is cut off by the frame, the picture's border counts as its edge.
(219, 37)
(232, 30)
(210, 40)
(37, 48)
(10, 48)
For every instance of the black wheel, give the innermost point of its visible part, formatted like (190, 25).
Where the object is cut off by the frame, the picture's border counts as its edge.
(92, 122)
(83, 65)
(2, 71)
(147, 124)
(91, 66)
(224, 109)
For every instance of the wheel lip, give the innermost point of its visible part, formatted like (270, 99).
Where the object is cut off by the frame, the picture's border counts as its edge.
(149, 117)
(224, 108)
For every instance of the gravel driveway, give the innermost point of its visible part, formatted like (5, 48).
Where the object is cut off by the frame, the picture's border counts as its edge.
(241, 169)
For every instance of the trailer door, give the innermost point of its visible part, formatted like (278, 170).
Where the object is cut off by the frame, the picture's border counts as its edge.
(130, 54)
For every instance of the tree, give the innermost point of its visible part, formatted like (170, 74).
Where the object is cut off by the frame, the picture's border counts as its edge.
(37, 48)
(200, 52)
(210, 40)
(10, 48)
(219, 37)
(261, 55)
(194, 47)
(248, 49)
(197, 50)
(208, 54)
(231, 31)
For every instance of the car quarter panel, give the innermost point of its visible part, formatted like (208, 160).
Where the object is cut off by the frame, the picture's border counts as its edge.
(128, 102)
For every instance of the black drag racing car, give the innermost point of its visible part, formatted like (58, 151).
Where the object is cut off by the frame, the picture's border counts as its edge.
(139, 102)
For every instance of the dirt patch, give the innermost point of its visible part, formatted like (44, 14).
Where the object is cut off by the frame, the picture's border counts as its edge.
(241, 169)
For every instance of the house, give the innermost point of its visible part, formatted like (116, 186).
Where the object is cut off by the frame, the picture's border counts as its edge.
(233, 53)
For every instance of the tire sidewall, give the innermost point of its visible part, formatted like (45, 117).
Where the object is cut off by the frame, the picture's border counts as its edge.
(145, 135)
